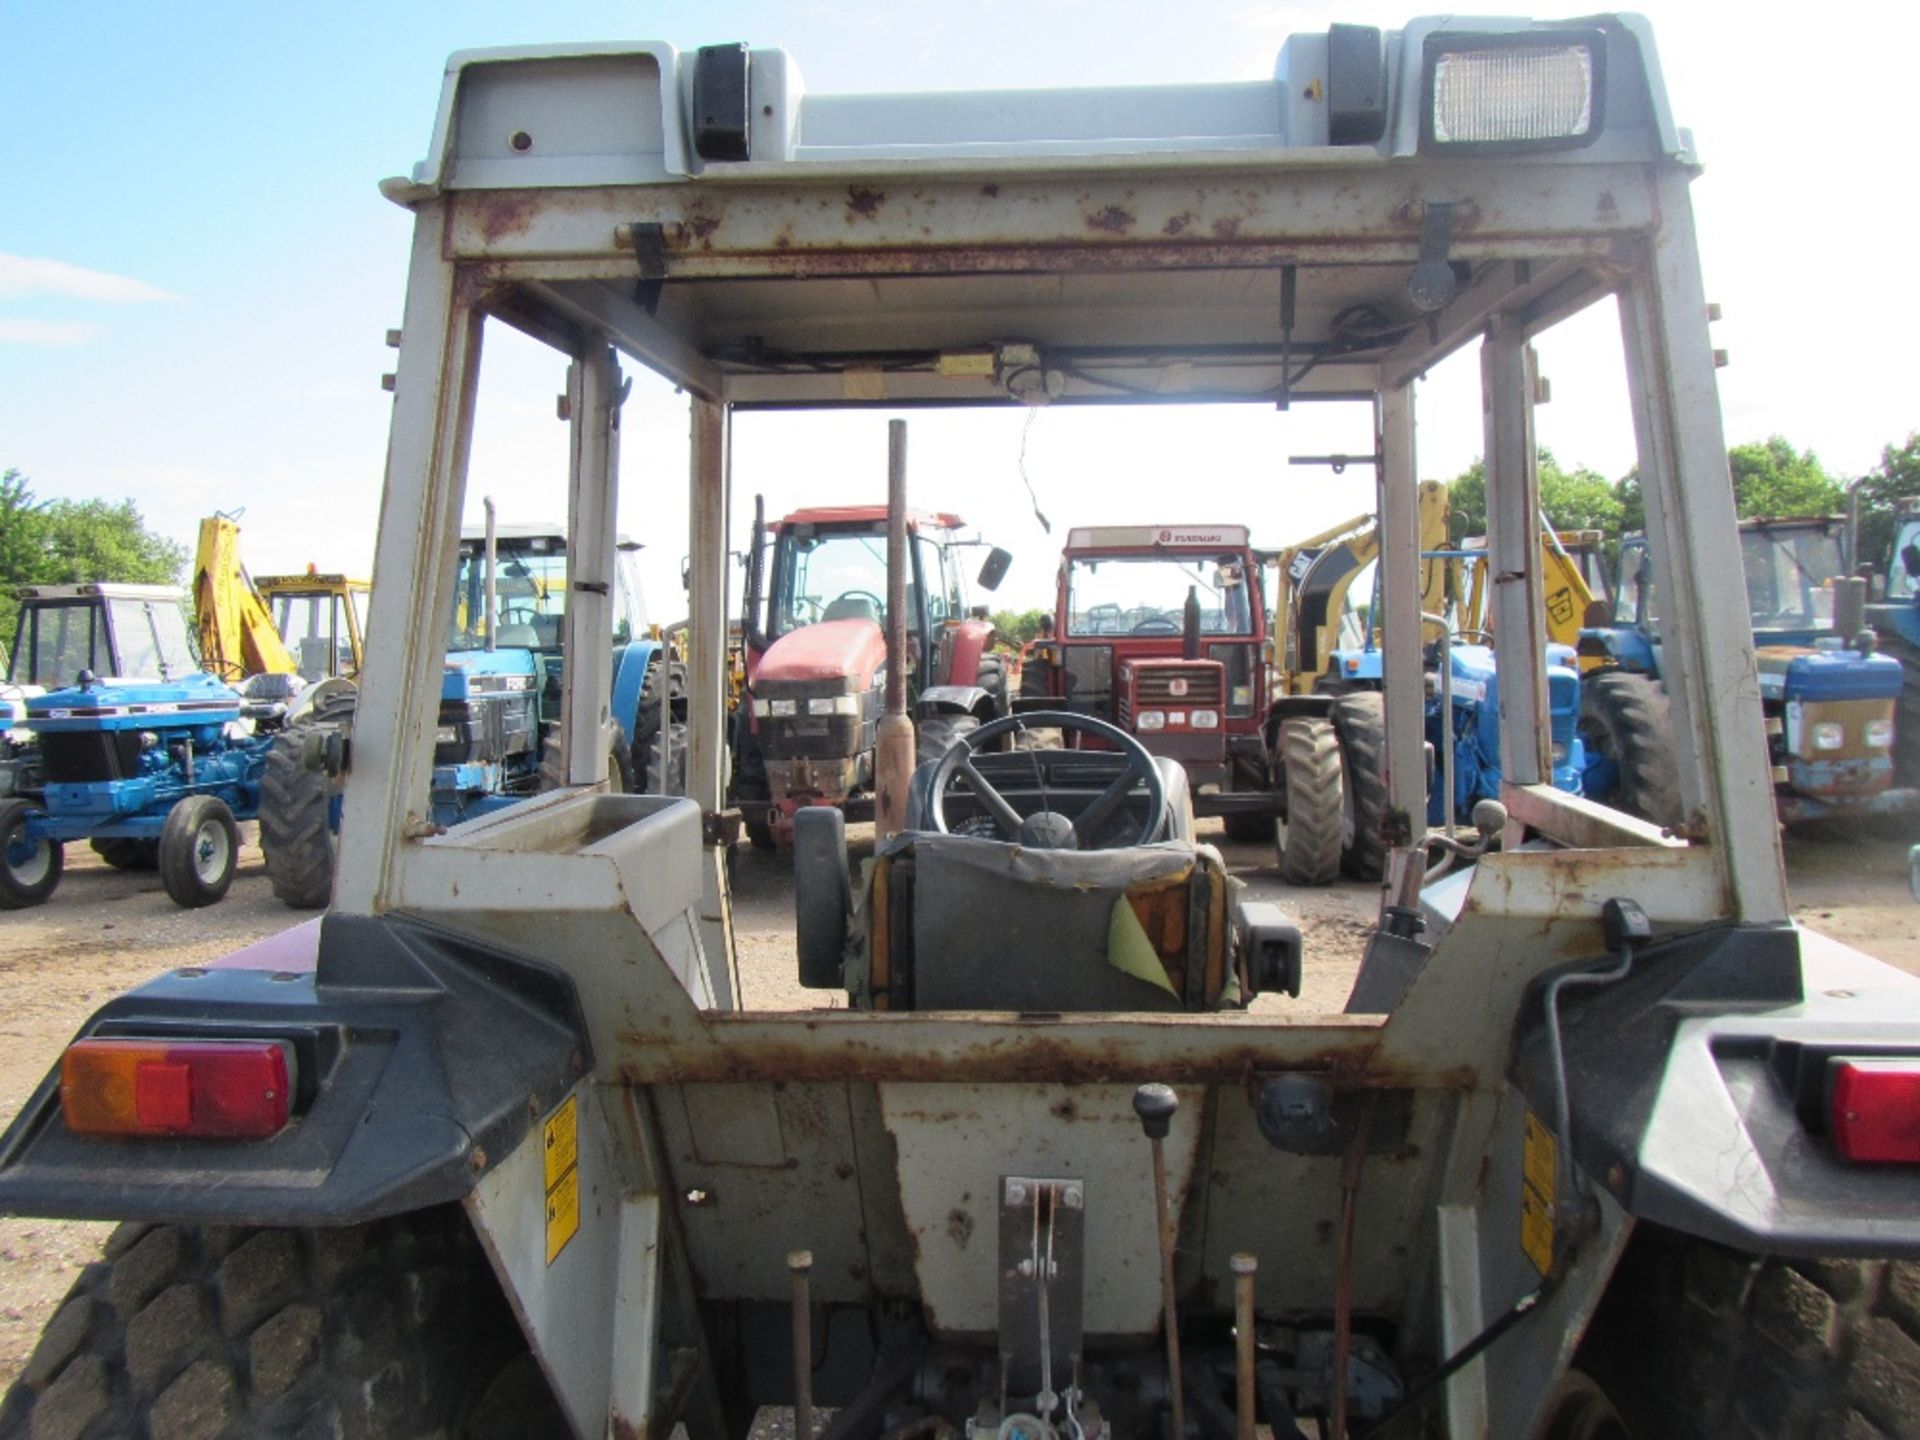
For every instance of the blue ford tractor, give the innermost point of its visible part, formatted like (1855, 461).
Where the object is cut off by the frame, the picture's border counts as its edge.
(151, 771)
(1830, 697)
(496, 739)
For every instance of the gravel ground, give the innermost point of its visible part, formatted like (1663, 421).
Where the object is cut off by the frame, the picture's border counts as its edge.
(106, 930)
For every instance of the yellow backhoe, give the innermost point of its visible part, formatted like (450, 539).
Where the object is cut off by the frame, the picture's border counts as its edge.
(310, 625)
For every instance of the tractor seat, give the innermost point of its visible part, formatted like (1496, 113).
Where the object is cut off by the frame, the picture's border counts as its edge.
(975, 924)
(971, 921)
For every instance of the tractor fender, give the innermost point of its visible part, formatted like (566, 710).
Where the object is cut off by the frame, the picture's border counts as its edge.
(955, 700)
(630, 664)
(422, 1059)
(1698, 1090)
(970, 641)
(1315, 706)
(1624, 645)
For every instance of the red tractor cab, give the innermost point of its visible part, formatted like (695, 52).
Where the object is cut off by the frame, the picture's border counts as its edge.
(816, 657)
(1162, 630)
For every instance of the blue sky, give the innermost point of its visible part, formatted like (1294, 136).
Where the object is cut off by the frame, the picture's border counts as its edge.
(196, 270)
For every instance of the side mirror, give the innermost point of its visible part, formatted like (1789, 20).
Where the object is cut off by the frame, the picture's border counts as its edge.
(995, 570)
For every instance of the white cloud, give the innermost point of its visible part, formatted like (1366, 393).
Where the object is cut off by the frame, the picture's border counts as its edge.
(23, 275)
(46, 332)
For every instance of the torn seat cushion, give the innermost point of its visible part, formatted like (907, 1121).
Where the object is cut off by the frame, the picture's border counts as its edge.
(1002, 927)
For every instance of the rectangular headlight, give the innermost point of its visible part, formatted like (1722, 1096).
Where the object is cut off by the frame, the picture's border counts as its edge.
(782, 708)
(446, 735)
(834, 705)
(1880, 734)
(1150, 720)
(1829, 735)
(1206, 719)
(1525, 90)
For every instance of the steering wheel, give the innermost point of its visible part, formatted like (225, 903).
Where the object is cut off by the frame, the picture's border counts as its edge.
(1157, 625)
(518, 615)
(1048, 829)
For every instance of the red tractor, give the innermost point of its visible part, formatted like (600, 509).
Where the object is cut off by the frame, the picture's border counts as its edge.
(816, 658)
(1162, 630)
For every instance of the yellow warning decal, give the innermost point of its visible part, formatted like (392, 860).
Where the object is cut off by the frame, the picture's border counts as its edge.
(563, 1213)
(1538, 1163)
(560, 1140)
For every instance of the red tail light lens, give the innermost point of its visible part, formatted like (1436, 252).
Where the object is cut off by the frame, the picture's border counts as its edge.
(1876, 1110)
(212, 1089)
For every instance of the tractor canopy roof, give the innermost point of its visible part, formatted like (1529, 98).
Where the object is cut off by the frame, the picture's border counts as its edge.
(1211, 538)
(829, 517)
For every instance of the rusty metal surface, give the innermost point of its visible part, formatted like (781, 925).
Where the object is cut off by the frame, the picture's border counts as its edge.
(788, 226)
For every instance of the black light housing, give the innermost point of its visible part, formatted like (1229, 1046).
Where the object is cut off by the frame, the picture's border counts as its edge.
(1356, 85)
(721, 117)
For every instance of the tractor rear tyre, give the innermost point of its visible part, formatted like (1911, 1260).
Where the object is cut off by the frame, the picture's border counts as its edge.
(1307, 763)
(1625, 718)
(663, 770)
(1695, 1339)
(937, 734)
(1906, 715)
(1360, 719)
(296, 821)
(199, 851)
(123, 852)
(395, 1329)
(992, 678)
(29, 869)
(553, 775)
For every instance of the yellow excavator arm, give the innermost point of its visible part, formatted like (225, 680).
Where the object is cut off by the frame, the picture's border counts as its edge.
(1315, 574)
(237, 634)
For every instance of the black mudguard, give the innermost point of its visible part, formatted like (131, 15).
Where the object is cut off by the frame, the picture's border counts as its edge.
(1696, 1090)
(423, 1059)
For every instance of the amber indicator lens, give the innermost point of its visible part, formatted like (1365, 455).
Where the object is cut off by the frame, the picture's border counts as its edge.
(211, 1089)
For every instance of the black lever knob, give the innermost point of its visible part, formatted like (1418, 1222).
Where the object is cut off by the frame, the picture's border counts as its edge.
(1155, 1104)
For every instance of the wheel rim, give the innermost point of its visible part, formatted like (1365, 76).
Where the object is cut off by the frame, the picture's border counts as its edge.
(211, 851)
(29, 862)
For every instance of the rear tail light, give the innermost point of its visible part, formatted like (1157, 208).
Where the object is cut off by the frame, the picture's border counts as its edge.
(212, 1089)
(1875, 1113)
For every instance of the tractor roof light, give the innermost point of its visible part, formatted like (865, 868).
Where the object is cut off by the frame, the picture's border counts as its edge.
(204, 1089)
(1525, 90)
(1875, 1111)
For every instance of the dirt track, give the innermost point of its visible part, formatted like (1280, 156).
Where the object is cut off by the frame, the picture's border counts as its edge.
(105, 931)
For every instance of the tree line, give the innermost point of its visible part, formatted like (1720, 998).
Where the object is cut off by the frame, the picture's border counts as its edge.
(57, 542)
(1770, 478)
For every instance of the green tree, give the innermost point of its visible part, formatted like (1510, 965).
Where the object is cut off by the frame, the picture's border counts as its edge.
(53, 542)
(1770, 478)
(1884, 491)
(1014, 628)
(1576, 499)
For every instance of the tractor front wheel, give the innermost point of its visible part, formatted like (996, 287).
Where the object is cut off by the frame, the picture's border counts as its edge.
(395, 1328)
(29, 869)
(199, 850)
(1360, 719)
(1307, 763)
